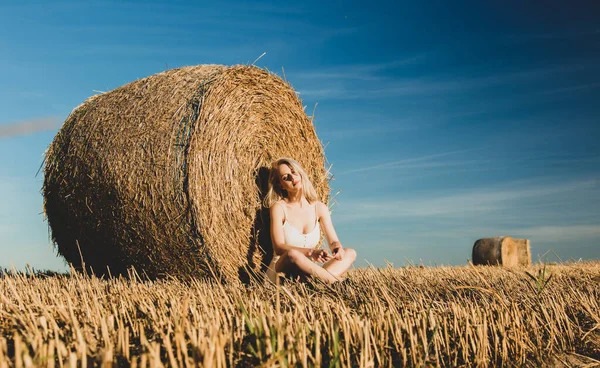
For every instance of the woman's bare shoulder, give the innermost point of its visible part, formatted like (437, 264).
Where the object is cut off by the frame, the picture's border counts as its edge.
(277, 207)
(279, 203)
(321, 207)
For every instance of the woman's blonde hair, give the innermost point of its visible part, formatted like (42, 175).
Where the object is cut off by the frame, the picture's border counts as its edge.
(276, 193)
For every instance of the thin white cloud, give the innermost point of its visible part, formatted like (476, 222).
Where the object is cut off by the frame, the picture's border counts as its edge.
(577, 87)
(368, 125)
(552, 36)
(559, 233)
(472, 204)
(367, 130)
(365, 72)
(371, 86)
(441, 85)
(408, 162)
(29, 127)
(7, 229)
(341, 93)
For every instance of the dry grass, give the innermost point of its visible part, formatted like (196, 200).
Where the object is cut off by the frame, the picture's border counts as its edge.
(444, 316)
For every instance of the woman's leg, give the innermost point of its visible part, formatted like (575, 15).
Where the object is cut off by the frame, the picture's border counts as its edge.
(338, 268)
(293, 261)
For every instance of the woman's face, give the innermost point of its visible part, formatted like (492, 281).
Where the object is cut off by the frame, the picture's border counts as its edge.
(289, 179)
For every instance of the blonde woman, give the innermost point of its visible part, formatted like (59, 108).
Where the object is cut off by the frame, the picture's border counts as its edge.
(297, 218)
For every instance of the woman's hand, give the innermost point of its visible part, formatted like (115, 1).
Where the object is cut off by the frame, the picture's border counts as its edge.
(319, 255)
(338, 253)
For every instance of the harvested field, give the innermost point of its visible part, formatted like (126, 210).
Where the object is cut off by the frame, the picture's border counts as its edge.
(444, 316)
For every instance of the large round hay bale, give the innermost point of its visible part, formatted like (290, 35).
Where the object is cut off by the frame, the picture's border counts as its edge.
(167, 173)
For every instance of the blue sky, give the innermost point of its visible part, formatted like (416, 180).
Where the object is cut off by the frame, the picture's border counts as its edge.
(444, 121)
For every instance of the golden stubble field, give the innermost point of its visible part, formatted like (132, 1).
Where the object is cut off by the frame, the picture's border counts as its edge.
(443, 316)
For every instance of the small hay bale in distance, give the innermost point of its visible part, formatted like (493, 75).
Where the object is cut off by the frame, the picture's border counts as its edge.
(502, 251)
(167, 173)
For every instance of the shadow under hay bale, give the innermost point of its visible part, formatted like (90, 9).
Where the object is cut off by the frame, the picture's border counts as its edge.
(260, 246)
(502, 251)
(167, 173)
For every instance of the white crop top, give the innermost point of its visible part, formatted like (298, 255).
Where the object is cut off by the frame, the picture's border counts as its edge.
(296, 238)
(293, 236)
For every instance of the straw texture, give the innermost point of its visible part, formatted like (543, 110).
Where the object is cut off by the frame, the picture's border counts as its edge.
(167, 173)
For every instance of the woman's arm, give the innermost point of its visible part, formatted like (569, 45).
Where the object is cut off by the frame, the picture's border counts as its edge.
(330, 234)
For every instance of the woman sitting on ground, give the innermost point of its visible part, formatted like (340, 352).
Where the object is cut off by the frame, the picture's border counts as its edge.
(295, 218)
